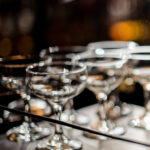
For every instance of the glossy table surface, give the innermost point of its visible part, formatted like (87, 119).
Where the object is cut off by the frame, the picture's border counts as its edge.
(92, 144)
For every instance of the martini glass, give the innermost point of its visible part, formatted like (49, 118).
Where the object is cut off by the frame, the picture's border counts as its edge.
(114, 47)
(139, 62)
(12, 73)
(57, 83)
(105, 73)
(66, 53)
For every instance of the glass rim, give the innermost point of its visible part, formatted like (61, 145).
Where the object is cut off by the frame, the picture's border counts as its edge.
(111, 45)
(41, 64)
(140, 53)
(100, 63)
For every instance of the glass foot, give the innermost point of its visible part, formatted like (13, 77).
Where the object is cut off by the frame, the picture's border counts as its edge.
(75, 117)
(141, 122)
(103, 127)
(59, 142)
(27, 133)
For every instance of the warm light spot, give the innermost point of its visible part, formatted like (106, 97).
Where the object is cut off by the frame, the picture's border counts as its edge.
(95, 77)
(129, 31)
(5, 47)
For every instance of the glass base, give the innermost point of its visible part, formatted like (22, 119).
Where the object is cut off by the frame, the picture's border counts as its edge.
(59, 142)
(26, 133)
(75, 117)
(106, 127)
(141, 122)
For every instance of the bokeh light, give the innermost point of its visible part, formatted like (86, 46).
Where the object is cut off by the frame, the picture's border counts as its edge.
(129, 31)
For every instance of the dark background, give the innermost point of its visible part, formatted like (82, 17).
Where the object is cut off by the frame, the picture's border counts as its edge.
(27, 26)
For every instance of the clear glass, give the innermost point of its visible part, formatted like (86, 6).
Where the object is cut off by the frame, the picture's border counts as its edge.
(12, 73)
(66, 53)
(57, 83)
(105, 73)
(114, 47)
(139, 65)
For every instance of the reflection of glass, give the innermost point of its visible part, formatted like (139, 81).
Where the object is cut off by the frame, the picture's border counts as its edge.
(114, 47)
(64, 53)
(139, 62)
(105, 74)
(57, 83)
(12, 70)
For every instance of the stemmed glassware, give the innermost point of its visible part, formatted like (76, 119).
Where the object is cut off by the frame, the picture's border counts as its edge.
(57, 83)
(105, 73)
(64, 53)
(114, 47)
(139, 64)
(12, 74)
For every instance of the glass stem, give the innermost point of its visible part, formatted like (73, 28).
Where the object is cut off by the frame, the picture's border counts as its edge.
(102, 111)
(102, 97)
(103, 114)
(26, 98)
(58, 111)
(71, 107)
(27, 109)
(27, 120)
(116, 94)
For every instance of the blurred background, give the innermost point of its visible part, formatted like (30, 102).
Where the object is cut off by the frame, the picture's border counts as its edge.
(27, 26)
